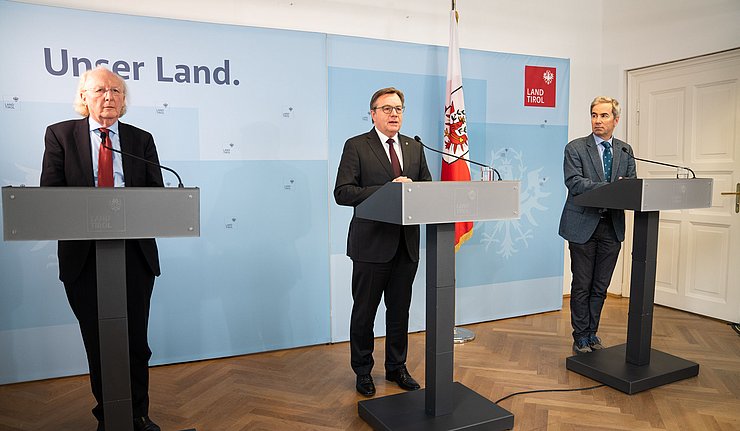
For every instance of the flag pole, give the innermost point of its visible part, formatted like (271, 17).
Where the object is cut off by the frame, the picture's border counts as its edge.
(460, 335)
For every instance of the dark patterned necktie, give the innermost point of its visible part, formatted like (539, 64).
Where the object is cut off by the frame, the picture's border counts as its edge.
(105, 160)
(607, 161)
(395, 164)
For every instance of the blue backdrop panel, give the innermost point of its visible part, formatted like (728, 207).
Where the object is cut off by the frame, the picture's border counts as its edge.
(502, 251)
(258, 277)
(507, 268)
(257, 119)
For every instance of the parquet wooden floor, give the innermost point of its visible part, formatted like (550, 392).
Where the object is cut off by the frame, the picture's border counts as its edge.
(312, 388)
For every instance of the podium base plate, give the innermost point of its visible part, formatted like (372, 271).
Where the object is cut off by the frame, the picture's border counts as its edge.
(406, 412)
(610, 367)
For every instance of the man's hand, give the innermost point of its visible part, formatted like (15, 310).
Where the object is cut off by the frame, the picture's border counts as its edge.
(403, 180)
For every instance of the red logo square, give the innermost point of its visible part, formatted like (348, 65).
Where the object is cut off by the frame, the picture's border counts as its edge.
(539, 86)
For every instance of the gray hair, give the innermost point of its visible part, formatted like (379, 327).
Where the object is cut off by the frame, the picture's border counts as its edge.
(616, 109)
(79, 104)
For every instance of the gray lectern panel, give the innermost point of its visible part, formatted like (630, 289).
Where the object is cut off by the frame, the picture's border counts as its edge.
(675, 194)
(650, 194)
(49, 213)
(433, 202)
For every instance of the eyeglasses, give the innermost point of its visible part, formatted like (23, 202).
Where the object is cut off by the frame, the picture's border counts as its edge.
(100, 91)
(387, 109)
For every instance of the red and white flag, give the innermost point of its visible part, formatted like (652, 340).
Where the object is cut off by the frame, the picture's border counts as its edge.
(456, 131)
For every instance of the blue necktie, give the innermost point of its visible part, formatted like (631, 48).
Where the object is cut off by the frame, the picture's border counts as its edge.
(607, 161)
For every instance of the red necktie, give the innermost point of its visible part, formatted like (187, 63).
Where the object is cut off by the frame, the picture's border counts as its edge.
(105, 160)
(395, 164)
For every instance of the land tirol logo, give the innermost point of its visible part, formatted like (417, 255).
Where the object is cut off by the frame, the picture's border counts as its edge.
(539, 86)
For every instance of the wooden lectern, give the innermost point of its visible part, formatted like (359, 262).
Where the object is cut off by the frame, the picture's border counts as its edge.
(109, 216)
(442, 404)
(635, 366)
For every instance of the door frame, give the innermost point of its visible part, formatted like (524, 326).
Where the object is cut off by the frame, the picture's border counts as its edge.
(632, 125)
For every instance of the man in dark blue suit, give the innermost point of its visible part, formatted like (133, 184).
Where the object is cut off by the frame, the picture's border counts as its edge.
(594, 235)
(72, 157)
(384, 256)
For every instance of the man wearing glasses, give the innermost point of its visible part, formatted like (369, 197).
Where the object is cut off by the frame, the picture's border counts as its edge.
(384, 256)
(75, 156)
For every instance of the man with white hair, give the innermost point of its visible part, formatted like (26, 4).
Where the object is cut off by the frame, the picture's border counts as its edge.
(75, 156)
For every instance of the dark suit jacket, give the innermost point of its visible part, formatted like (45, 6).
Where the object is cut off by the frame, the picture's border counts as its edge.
(364, 168)
(584, 171)
(68, 162)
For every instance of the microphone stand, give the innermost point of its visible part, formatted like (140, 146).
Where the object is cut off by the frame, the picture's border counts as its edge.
(693, 175)
(179, 180)
(418, 139)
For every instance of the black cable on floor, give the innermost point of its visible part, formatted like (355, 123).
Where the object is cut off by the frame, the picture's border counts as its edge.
(735, 326)
(549, 390)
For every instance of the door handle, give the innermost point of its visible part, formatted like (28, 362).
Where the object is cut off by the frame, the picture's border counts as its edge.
(737, 197)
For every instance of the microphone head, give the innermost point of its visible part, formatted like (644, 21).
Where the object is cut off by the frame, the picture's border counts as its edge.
(625, 150)
(417, 138)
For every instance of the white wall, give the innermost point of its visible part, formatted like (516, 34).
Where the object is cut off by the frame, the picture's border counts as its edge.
(603, 39)
(661, 31)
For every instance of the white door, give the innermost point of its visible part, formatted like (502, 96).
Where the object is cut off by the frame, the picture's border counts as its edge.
(688, 113)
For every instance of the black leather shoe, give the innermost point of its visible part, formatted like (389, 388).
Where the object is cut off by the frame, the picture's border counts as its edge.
(365, 385)
(403, 378)
(145, 424)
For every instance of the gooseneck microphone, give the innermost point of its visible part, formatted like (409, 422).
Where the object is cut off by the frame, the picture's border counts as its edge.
(693, 175)
(418, 139)
(127, 154)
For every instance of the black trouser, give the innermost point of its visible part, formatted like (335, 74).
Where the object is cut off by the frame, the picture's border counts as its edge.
(83, 298)
(393, 281)
(592, 265)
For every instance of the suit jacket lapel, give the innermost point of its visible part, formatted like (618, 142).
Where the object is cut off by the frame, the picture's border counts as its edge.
(595, 158)
(125, 139)
(377, 148)
(616, 155)
(82, 141)
(405, 154)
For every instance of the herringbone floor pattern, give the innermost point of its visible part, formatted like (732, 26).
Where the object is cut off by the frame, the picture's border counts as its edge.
(312, 388)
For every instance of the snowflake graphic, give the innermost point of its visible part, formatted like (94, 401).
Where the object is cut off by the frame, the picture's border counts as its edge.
(511, 235)
(548, 76)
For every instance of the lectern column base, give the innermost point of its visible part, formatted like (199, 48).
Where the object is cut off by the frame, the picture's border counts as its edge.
(406, 412)
(609, 366)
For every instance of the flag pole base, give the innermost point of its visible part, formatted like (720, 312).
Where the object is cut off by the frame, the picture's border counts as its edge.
(462, 335)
